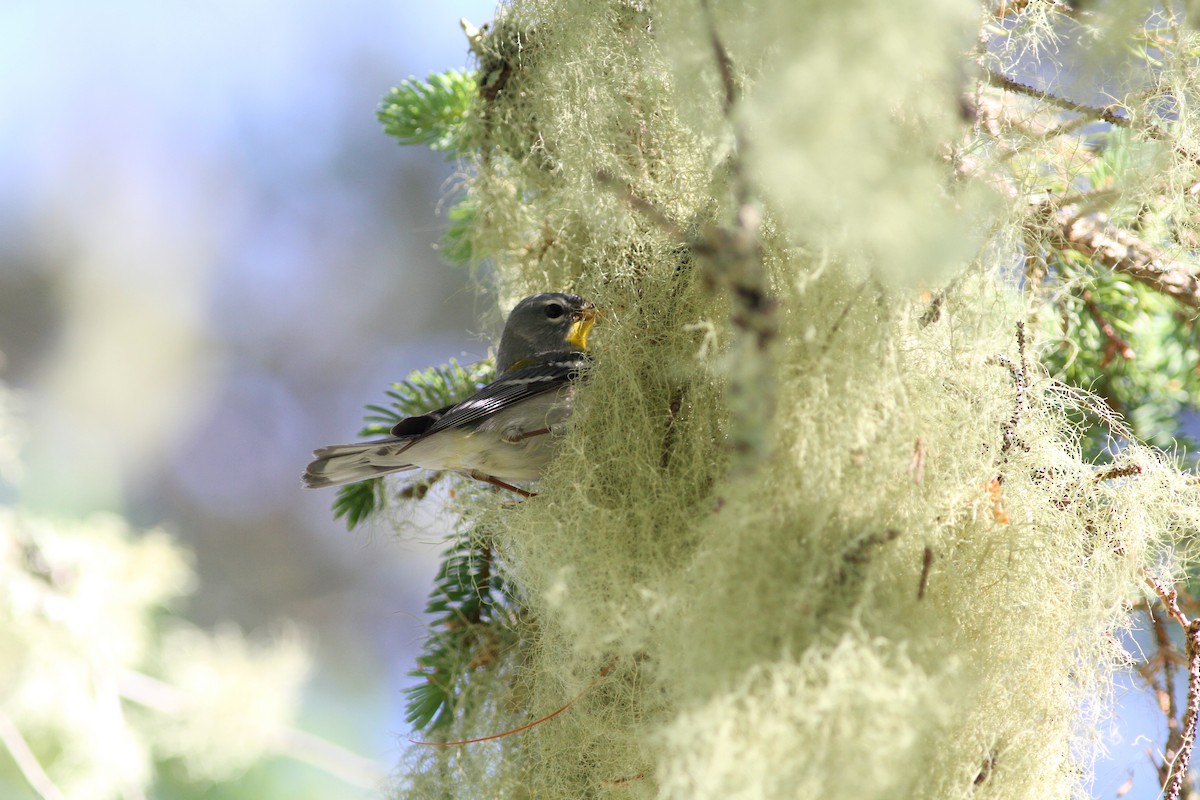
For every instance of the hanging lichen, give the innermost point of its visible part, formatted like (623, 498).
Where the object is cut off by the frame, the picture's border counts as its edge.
(901, 576)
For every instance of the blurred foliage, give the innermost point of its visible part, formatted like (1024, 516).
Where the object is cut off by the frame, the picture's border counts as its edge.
(456, 246)
(102, 685)
(106, 692)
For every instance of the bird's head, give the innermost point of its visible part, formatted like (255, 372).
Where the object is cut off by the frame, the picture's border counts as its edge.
(544, 323)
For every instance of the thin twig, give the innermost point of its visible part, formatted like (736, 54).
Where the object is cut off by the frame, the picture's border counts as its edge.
(1187, 737)
(26, 761)
(926, 566)
(304, 747)
(735, 252)
(668, 444)
(603, 673)
(1008, 437)
(916, 464)
(1166, 693)
(837, 323)
(640, 204)
(1020, 375)
(1169, 597)
(1123, 471)
(1088, 201)
(723, 61)
(859, 552)
(1106, 113)
(1177, 773)
(1115, 343)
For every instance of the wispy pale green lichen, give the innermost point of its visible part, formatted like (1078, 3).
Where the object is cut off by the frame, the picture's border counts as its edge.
(915, 591)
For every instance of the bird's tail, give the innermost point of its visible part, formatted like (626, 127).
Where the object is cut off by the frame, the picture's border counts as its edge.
(347, 463)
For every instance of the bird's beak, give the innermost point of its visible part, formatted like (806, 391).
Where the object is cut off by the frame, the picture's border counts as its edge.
(584, 319)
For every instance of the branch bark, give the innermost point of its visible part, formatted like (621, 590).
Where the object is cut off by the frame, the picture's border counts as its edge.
(1122, 251)
(1176, 763)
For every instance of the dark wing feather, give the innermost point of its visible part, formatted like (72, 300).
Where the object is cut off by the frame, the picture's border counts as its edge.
(415, 426)
(551, 371)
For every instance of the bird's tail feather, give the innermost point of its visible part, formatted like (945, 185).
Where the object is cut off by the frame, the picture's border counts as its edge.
(347, 463)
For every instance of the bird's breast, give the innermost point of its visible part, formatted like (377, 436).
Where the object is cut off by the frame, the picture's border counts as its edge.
(510, 445)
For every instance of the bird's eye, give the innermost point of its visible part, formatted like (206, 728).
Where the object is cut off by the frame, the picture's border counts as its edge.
(555, 310)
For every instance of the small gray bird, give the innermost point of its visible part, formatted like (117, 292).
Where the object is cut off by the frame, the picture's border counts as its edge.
(502, 434)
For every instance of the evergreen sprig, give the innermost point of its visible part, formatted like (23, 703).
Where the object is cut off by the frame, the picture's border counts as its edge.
(433, 112)
(472, 625)
(430, 112)
(357, 501)
(426, 390)
(423, 391)
(456, 247)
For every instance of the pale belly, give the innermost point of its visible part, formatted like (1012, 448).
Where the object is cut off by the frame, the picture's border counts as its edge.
(489, 448)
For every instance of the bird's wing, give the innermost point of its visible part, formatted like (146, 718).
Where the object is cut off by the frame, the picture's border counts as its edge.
(550, 371)
(420, 424)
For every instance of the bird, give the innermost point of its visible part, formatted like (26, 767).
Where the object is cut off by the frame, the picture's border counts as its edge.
(504, 433)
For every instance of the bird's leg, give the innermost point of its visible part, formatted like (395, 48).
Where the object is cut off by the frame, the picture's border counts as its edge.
(514, 438)
(479, 476)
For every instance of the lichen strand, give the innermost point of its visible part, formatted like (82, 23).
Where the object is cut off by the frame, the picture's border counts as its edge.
(889, 603)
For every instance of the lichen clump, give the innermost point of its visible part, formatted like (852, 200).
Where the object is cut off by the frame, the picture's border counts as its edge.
(910, 583)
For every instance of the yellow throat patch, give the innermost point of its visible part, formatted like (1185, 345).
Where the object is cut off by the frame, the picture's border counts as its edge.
(577, 335)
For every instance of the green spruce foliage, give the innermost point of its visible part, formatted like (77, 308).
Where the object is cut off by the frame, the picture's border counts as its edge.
(472, 625)
(430, 112)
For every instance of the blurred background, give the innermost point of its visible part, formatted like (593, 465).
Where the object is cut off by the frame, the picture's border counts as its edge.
(211, 257)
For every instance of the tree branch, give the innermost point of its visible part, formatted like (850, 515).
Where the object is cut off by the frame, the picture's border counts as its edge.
(1116, 345)
(1178, 766)
(1106, 113)
(26, 761)
(1121, 251)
